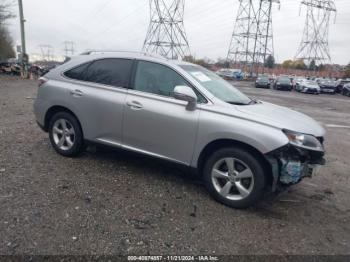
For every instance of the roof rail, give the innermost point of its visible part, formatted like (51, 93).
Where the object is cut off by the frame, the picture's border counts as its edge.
(90, 52)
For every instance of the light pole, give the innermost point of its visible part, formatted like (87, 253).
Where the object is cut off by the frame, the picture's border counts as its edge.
(24, 56)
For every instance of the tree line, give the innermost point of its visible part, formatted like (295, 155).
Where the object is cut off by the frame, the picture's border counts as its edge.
(6, 42)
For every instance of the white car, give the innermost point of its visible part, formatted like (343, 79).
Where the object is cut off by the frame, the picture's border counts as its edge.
(310, 87)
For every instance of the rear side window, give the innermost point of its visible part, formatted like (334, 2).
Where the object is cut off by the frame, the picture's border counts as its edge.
(111, 71)
(77, 73)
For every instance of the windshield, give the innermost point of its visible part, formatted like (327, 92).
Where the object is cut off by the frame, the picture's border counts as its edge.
(284, 80)
(311, 83)
(263, 78)
(217, 86)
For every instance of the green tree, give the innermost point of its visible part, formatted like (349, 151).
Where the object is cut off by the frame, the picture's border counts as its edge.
(312, 65)
(287, 64)
(321, 67)
(270, 62)
(299, 64)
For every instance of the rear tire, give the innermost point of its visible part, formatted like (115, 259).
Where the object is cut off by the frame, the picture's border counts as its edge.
(239, 183)
(66, 135)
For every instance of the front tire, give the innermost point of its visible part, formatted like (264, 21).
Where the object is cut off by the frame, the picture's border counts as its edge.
(234, 177)
(66, 135)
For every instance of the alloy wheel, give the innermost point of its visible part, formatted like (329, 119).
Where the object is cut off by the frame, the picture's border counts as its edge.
(63, 134)
(232, 178)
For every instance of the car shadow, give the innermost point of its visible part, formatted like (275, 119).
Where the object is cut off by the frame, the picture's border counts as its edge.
(136, 161)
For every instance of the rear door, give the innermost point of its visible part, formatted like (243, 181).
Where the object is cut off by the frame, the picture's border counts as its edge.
(98, 95)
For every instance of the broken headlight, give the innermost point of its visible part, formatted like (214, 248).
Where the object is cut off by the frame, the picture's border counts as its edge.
(304, 141)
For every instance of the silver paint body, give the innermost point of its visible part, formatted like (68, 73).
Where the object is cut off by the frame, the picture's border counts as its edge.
(162, 126)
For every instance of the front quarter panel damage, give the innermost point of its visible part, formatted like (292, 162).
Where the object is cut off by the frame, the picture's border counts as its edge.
(291, 164)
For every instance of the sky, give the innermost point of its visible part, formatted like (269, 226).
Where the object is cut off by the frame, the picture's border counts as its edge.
(122, 25)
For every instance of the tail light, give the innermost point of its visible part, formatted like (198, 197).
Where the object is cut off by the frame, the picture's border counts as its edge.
(41, 81)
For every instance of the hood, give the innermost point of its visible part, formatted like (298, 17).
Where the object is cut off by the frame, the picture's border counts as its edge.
(283, 118)
(328, 85)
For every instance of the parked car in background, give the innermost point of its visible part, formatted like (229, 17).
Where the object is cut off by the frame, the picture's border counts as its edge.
(328, 86)
(283, 83)
(5, 68)
(310, 87)
(297, 82)
(230, 74)
(262, 81)
(318, 80)
(346, 90)
(341, 83)
(10, 68)
(183, 113)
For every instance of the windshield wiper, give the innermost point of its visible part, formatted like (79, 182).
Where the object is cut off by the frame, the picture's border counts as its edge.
(237, 103)
(253, 102)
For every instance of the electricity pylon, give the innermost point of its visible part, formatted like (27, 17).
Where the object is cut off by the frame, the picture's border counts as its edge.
(166, 33)
(314, 45)
(69, 48)
(46, 52)
(252, 38)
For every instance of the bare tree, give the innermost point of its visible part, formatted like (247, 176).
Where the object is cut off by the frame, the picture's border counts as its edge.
(6, 11)
(6, 43)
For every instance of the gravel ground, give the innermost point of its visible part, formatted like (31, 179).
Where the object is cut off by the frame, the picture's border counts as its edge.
(113, 202)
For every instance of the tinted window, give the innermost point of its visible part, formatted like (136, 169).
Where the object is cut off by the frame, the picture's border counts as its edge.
(113, 72)
(77, 73)
(158, 79)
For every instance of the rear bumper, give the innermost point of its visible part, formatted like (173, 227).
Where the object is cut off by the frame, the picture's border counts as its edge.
(40, 109)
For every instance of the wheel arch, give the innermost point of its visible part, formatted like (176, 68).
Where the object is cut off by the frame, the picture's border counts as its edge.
(224, 143)
(56, 109)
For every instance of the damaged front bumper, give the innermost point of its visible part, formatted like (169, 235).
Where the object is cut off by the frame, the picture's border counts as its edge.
(290, 164)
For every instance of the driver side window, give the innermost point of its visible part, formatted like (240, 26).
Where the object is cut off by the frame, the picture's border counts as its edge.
(158, 79)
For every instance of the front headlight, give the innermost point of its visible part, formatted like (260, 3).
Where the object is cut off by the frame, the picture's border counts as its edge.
(303, 141)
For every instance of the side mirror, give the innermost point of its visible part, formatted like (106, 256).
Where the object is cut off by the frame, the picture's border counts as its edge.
(186, 93)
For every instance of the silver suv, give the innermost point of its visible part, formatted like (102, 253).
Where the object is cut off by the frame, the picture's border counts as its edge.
(179, 112)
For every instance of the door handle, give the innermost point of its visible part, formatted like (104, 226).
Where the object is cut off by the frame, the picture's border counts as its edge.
(76, 93)
(134, 105)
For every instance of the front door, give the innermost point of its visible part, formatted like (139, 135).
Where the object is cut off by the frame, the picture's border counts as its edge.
(154, 122)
